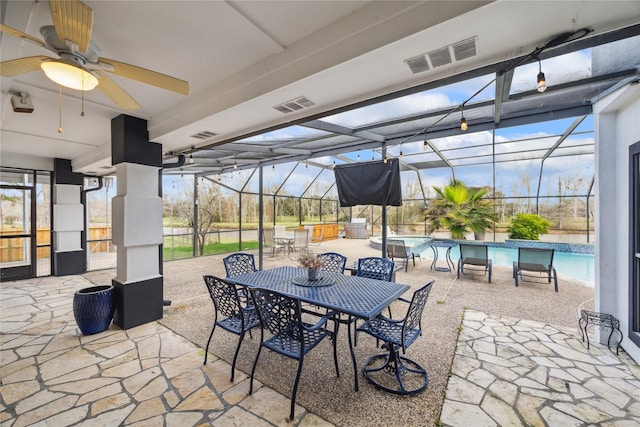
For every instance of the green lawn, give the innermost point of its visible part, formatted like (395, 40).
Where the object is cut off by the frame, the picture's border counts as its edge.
(211, 249)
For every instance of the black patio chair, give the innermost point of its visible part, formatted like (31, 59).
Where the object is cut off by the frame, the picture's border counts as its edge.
(237, 319)
(332, 261)
(397, 249)
(375, 268)
(291, 337)
(410, 376)
(372, 268)
(535, 263)
(239, 263)
(474, 260)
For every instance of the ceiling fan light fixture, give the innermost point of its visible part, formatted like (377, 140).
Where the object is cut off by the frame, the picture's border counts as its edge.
(69, 75)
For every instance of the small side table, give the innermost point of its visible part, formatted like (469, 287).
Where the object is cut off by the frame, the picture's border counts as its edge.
(599, 319)
(434, 245)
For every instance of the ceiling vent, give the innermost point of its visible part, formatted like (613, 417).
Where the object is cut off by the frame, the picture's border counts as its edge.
(443, 56)
(294, 105)
(205, 134)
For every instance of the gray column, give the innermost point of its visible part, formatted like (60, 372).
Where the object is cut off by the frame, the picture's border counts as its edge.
(137, 223)
(68, 220)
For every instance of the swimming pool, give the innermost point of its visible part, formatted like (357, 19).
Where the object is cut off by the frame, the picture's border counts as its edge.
(577, 266)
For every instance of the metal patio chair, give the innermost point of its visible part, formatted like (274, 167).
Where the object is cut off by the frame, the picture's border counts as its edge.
(375, 268)
(398, 249)
(281, 316)
(236, 319)
(410, 376)
(300, 240)
(474, 260)
(332, 261)
(535, 263)
(239, 263)
(270, 241)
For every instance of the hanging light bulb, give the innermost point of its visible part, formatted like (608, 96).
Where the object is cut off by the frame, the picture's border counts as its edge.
(334, 162)
(463, 121)
(273, 167)
(235, 165)
(385, 159)
(425, 146)
(542, 81)
(306, 165)
(401, 155)
(358, 156)
(191, 158)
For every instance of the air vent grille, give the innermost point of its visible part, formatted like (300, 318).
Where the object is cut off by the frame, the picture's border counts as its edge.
(205, 134)
(446, 55)
(464, 49)
(294, 105)
(418, 64)
(440, 57)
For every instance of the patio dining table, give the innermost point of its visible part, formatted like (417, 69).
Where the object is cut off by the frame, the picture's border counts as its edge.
(354, 296)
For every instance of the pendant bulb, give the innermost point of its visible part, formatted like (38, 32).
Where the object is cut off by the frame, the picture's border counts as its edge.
(463, 124)
(401, 155)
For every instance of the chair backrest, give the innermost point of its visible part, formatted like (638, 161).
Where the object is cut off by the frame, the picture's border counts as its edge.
(396, 248)
(239, 263)
(474, 251)
(535, 256)
(279, 314)
(414, 312)
(375, 268)
(269, 239)
(224, 296)
(280, 230)
(300, 238)
(332, 261)
(309, 229)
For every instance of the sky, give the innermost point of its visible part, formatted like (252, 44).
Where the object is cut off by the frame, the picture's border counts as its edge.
(576, 166)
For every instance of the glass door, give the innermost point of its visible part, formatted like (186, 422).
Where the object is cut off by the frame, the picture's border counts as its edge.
(17, 225)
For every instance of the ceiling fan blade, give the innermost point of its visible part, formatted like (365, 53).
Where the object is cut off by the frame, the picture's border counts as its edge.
(116, 93)
(14, 67)
(73, 21)
(19, 34)
(147, 76)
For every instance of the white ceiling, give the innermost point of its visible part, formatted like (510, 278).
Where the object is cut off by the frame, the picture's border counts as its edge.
(241, 58)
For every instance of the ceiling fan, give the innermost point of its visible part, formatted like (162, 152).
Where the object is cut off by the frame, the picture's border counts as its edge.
(78, 64)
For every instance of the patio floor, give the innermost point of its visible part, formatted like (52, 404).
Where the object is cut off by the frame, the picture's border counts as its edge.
(505, 370)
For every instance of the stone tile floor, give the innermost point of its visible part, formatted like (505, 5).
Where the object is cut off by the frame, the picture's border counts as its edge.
(145, 376)
(506, 372)
(511, 372)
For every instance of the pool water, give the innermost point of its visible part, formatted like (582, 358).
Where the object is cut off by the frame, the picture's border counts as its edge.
(577, 266)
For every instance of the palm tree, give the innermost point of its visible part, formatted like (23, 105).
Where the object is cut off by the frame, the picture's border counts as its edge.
(460, 209)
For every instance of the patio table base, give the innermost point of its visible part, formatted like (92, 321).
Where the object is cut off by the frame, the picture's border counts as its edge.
(403, 375)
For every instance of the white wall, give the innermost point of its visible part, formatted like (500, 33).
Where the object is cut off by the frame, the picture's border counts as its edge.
(617, 126)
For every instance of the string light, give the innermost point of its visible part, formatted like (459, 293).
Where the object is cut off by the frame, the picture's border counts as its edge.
(542, 81)
(401, 155)
(385, 159)
(463, 121)
(191, 158)
(235, 165)
(425, 146)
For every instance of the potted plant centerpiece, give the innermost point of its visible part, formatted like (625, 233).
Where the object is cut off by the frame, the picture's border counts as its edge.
(312, 263)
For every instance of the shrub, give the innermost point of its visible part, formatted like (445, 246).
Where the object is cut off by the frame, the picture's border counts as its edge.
(527, 227)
